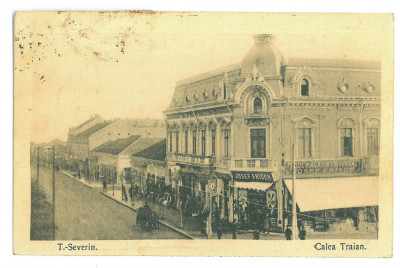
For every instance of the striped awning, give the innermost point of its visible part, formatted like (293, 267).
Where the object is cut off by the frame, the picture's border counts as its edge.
(261, 186)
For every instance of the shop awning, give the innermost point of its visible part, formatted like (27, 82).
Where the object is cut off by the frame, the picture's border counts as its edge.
(253, 185)
(333, 193)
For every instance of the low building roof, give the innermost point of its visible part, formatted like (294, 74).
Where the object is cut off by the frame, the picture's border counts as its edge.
(140, 145)
(115, 147)
(156, 151)
(88, 132)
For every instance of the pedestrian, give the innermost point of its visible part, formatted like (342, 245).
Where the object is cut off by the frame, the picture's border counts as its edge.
(302, 233)
(288, 233)
(123, 191)
(104, 185)
(131, 193)
(267, 223)
(219, 229)
(234, 229)
(256, 235)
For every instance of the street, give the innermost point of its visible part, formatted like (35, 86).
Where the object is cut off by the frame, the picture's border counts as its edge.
(83, 213)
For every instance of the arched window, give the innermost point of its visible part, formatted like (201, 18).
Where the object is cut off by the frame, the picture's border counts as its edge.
(257, 106)
(305, 87)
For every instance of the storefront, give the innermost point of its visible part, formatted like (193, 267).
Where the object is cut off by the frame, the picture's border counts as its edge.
(255, 200)
(192, 193)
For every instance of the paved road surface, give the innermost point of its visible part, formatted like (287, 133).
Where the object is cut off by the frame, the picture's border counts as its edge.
(83, 213)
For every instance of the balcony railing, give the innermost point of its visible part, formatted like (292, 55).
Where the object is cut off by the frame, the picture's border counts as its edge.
(193, 159)
(232, 163)
(253, 163)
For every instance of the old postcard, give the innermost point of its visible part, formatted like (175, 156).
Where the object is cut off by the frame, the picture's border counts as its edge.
(203, 134)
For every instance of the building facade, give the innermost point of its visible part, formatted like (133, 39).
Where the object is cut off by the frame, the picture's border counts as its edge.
(230, 131)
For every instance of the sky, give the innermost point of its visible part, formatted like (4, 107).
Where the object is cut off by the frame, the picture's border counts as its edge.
(125, 65)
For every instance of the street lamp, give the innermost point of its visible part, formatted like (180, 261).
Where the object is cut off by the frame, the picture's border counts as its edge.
(284, 140)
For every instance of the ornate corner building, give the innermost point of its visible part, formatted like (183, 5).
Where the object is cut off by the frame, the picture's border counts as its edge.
(229, 135)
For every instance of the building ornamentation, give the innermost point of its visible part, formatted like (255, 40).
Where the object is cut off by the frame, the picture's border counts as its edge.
(343, 86)
(347, 123)
(257, 122)
(368, 87)
(372, 122)
(238, 120)
(274, 121)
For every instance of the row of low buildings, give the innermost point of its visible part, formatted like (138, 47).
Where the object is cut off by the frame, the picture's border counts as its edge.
(101, 149)
(225, 145)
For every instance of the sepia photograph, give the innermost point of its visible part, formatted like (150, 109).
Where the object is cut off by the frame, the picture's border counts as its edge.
(166, 132)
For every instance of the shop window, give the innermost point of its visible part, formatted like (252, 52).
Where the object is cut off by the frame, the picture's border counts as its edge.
(203, 142)
(186, 141)
(372, 141)
(346, 141)
(305, 87)
(257, 137)
(213, 142)
(194, 142)
(257, 106)
(226, 142)
(304, 142)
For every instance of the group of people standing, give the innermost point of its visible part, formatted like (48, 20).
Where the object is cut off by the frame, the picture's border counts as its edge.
(302, 233)
(131, 191)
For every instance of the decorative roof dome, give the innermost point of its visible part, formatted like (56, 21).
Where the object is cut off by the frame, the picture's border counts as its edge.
(263, 59)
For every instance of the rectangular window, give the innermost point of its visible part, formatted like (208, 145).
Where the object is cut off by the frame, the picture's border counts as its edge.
(170, 142)
(226, 142)
(213, 142)
(186, 141)
(304, 142)
(194, 142)
(177, 141)
(257, 141)
(203, 142)
(372, 141)
(346, 141)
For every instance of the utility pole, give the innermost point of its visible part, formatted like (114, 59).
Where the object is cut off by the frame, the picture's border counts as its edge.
(54, 197)
(294, 211)
(111, 172)
(37, 168)
(54, 193)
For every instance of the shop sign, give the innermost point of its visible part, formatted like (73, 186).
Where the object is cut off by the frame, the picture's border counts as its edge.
(252, 176)
(213, 187)
(271, 199)
(325, 167)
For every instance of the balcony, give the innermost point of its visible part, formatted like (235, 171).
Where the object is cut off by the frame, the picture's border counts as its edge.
(192, 159)
(253, 164)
